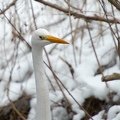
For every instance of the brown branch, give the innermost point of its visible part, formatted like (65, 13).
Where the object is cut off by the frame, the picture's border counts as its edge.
(53, 23)
(114, 76)
(10, 5)
(101, 71)
(70, 66)
(13, 106)
(57, 79)
(15, 109)
(78, 15)
(19, 34)
(115, 3)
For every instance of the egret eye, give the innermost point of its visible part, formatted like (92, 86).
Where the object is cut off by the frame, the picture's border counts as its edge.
(42, 37)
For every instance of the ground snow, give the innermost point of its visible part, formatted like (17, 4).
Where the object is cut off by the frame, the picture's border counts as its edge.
(83, 84)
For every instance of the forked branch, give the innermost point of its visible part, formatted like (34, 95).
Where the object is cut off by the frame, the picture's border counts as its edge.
(78, 15)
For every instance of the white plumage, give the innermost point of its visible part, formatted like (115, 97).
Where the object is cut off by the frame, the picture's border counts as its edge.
(40, 38)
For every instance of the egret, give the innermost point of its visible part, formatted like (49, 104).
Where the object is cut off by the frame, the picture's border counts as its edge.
(40, 38)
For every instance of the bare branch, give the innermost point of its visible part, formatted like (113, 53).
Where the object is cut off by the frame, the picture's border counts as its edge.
(115, 3)
(114, 76)
(69, 65)
(19, 34)
(78, 15)
(10, 5)
(57, 79)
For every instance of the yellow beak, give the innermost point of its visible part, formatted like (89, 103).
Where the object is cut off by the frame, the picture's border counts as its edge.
(55, 39)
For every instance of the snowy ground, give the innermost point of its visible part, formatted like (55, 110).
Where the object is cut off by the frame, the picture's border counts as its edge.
(16, 69)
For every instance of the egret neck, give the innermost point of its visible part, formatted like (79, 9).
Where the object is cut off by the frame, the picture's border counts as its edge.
(43, 110)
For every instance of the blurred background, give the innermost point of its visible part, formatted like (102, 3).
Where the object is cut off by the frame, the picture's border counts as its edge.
(87, 70)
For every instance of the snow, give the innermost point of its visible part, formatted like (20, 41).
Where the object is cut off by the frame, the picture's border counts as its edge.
(60, 113)
(10, 93)
(29, 86)
(99, 116)
(113, 113)
(16, 71)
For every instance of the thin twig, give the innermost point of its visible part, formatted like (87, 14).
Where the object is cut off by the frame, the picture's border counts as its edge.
(78, 15)
(8, 7)
(56, 79)
(95, 52)
(73, 37)
(33, 15)
(70, 93)
(70, 67)
(20, 36)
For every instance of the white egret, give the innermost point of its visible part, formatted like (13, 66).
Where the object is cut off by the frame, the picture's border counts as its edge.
(40, 38)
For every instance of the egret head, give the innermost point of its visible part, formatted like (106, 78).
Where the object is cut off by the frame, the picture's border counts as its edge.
(42, 37)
